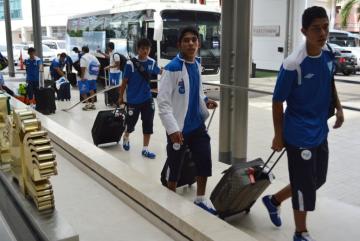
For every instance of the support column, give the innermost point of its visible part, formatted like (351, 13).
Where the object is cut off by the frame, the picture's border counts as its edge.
(9, 42)
(226, 77)
(243, 52)
(36, 19)
(236, 52)
(289, 28)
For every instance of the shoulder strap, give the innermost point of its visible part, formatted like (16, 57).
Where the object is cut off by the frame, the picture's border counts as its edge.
(122, 60)
(141, 69)
(331, 50)
(333, 97)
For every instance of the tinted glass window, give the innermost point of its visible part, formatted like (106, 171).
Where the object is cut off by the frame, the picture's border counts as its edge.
(207, 23)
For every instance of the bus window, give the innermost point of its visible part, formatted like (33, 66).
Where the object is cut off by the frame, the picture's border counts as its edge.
(97, 23)
(133, 37)
(120, 21)
(149, 34)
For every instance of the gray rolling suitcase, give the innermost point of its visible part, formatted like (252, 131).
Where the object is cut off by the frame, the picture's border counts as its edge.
(241, 185)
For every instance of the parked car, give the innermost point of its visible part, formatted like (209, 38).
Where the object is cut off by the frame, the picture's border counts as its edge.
(17, 48)
(59, 46)
(345, 60)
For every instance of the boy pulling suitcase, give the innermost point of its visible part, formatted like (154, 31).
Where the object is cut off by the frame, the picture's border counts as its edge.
(183, 111)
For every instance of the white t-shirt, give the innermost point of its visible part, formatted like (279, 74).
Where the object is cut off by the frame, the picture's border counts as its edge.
(114, 58)
(92, 65)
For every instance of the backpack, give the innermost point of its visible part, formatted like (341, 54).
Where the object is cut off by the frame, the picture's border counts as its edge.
(123, 60)
(94, 67)
(3, 62)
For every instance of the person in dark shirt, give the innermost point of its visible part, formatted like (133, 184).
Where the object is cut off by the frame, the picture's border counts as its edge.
(33, 66)
(57, 69)
(138, 95)
(305, 84)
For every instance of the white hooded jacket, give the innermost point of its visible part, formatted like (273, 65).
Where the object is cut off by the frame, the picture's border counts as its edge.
(173, 95)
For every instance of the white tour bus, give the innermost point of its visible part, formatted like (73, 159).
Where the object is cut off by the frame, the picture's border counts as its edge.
(159, 21)
(348, 41)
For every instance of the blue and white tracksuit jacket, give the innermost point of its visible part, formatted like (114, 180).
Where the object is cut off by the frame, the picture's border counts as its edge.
(173, 95)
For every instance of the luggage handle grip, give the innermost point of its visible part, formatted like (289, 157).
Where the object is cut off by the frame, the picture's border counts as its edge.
(268, 160)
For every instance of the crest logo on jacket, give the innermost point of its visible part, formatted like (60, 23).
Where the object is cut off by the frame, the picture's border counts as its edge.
(330, 66)
(181, 87)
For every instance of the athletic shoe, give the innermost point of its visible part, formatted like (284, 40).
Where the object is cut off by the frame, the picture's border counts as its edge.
(207, 206)
(148, 154)
(303, 237)
(274, 211)
(92, 106)
(126, 145)
(87, 107)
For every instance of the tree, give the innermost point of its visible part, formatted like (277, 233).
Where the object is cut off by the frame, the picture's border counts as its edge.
(346, 10)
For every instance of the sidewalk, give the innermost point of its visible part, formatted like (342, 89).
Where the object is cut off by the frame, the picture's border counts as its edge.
(338, 206)
(338, 202)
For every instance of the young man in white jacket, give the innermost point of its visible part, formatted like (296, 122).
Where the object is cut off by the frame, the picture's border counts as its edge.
(183, 110)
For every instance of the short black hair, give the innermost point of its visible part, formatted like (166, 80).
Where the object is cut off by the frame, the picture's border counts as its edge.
(63, 55)
(85, 49)
(312, 13)
(111, 45)
(143, 43)
(76, 50)
(188, 29)
(31, 50)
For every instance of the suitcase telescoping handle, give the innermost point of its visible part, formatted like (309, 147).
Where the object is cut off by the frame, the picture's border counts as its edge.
(211, 117)
(177, 146)
(41, 78)
(268, 160)
(107, 78)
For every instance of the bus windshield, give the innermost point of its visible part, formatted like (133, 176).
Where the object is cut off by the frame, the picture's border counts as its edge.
(208, 24)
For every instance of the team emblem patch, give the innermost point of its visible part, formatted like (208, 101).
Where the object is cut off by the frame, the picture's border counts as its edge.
(306, 154)
(181, 87)
(330, 66)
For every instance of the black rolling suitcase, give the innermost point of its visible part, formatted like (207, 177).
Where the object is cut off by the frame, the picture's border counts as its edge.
(108, 126)
(45, 98)
(241, 185)
(64, 92)
(188, 171)
(72, 78)
(188, 167)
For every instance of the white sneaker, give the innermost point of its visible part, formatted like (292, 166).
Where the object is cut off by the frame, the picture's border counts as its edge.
(305, 236)
(87, 107)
